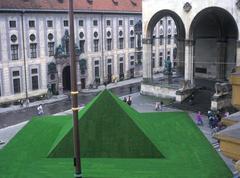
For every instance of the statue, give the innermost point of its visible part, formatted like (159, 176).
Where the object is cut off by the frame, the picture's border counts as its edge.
(59, 51)
(168, 67)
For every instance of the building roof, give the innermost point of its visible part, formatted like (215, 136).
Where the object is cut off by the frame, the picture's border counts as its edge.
(79, 5)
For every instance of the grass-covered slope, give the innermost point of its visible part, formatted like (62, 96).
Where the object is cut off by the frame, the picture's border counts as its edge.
(187, 153)
(107, 131)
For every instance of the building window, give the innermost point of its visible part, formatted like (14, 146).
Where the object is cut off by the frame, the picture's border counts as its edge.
(160, 59)
(95, 45)
(95, 23)
(131, 22)
(12, 24)
(109, 44)
(175, 39)
(33, 50)
(80, 22)
(108, 22)
(31, 24)
(153, 60)
(81, 45)
(14, 51)
(32, 37)
(16, 82)
(161, 40)
(51, 49)
(161, 22)
(50, 36)
(120, 43)
(169, 55)
(169, 39)
(121, 68)
(169, 22)
(132, 42)
(97, 74)
(65, 23)
(132, 61)
(34, 76)
(50, 23)
(120, 22)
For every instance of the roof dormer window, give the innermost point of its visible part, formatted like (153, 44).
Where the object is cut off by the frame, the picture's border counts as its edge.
(133, 2)
(115, 2)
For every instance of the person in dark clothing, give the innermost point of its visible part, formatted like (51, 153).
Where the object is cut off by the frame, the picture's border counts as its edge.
(129, 101)
(125, 99)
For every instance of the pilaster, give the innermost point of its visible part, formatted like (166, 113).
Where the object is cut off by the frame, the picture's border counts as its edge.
(189, 46)
(147, 62)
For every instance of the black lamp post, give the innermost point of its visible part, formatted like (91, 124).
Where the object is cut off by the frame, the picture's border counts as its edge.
(74, 93)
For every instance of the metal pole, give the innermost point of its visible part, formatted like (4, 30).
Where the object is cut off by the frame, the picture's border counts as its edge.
(74, 93)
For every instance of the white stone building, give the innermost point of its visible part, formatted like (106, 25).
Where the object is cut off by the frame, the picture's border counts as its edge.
(31, 60)
(207, 36)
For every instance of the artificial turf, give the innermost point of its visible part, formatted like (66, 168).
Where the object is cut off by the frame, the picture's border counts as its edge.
(174, 145)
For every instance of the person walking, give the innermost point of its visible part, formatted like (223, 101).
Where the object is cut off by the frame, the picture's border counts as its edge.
(129, 100)
(40, 110)
(199, 120)
(157, 106)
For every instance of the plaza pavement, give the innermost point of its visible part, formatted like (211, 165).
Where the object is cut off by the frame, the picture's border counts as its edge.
(140, 103)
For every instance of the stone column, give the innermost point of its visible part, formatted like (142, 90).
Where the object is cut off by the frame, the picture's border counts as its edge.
(220, 63)
(60, 85)
(189, 47)
(238, 53)
(180, 57)
(147, 62)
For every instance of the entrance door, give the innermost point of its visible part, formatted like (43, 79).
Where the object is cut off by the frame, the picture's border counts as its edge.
(66, 79)
(83, 83)
(109, 69)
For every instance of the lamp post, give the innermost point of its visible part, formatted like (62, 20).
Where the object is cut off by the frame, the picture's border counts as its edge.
(74, 93)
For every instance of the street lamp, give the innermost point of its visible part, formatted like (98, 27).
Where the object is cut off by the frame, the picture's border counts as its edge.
(74, 93)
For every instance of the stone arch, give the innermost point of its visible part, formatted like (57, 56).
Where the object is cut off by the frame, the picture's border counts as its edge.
(162, 13)
(147, 41)
(214, 35)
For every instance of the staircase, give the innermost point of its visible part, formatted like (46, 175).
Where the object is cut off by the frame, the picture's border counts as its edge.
(201, 101)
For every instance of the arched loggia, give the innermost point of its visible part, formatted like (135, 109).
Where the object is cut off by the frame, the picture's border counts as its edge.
(214, 33)
(147, 43)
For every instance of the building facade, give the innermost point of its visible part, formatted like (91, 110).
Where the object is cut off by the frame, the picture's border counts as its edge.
(207, 37)
(34, 39)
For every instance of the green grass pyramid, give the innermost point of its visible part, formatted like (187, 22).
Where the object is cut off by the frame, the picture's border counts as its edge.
(108, 129)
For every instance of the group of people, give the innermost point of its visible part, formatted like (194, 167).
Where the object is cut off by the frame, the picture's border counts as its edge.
(21, 102)
(214, 119)
(128, 100)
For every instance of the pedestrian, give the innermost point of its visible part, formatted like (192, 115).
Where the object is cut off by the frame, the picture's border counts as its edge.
(27, 102)
(124, 99)
(40, 110)
(21, 103)
(130, 89)
(199, 120)
(226, 114)
(129, 101)
(157, 106)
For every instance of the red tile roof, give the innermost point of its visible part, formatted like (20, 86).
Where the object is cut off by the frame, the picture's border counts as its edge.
(84, 5)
